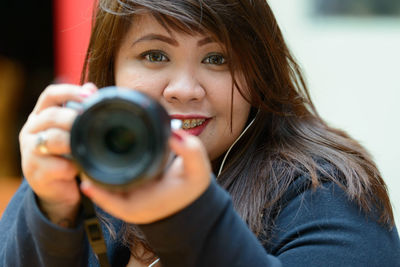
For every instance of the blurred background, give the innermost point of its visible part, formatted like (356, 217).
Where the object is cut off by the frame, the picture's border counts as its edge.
(42, 42)
(349, 51)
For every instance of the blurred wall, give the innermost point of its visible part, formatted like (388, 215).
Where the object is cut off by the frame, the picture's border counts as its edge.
(72, 23)
(352, 67)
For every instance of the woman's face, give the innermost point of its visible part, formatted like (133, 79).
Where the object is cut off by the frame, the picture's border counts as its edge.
(188, 75)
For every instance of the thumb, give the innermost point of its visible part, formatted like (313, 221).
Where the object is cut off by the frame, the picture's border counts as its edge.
(192, 152)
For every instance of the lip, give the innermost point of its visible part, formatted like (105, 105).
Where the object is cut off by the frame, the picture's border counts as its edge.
(196, 130)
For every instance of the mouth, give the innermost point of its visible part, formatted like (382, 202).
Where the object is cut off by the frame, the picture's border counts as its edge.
(192, 124)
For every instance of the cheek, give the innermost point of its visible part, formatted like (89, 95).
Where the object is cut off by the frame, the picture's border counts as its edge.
(241, 111)
(218, 87)
(219, 90)
(241, 107)
(222, 135)
(141, 80)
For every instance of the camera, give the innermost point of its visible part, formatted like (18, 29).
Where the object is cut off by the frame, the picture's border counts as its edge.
(120, 137)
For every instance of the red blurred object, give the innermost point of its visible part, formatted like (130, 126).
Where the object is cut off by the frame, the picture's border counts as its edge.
(72, 22)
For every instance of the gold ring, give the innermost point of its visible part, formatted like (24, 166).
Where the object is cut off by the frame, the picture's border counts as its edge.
(41, 144)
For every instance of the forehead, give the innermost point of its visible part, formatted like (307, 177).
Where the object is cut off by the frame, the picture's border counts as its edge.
(144, 24)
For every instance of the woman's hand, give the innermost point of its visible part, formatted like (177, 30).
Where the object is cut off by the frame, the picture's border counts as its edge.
(184, 181)
(43, 140)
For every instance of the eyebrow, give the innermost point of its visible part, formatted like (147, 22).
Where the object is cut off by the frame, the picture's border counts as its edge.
(169, 40)
(205, 41)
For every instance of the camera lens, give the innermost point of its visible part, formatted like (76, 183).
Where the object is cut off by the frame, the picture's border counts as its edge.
(120, 140)
(120, 137)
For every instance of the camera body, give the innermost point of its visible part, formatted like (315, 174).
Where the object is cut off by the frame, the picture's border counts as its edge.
(120, 137)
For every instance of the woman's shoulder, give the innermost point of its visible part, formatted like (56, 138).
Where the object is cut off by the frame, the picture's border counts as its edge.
(303, 181)
(327, 194)
(323, 221)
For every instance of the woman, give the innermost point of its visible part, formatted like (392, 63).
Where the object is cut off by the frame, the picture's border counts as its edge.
(302, 193)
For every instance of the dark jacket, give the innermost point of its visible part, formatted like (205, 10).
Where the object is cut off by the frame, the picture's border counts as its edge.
(315, 228)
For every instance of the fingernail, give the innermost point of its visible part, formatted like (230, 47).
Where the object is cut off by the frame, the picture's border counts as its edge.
(85, 94)
(87, 90)
(85, 185)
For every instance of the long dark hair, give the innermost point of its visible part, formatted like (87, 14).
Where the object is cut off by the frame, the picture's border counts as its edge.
(288, 137)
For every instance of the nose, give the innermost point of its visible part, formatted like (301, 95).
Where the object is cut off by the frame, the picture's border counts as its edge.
(184, 87)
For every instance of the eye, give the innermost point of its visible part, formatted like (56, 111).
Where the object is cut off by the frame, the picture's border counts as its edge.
(154, 56)
(214, 59)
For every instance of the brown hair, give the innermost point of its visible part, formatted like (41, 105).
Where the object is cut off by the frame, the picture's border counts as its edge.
(288, 137)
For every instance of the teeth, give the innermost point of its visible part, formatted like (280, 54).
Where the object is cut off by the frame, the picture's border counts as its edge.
(191, 123)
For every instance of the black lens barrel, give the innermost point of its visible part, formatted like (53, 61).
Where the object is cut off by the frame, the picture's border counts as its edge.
(120, 138)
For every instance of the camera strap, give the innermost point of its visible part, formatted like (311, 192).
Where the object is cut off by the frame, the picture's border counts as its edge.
(94, 232)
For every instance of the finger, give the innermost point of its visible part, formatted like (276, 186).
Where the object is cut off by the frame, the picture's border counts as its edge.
(58, 168)
(106, 199)
(52, 117)
(57, 95)
(56, 141)
(46, 168)
(192, 151)
(134, 205)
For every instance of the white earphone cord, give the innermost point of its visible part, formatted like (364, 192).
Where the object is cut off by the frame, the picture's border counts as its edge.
(237, 139)
(154, 262)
